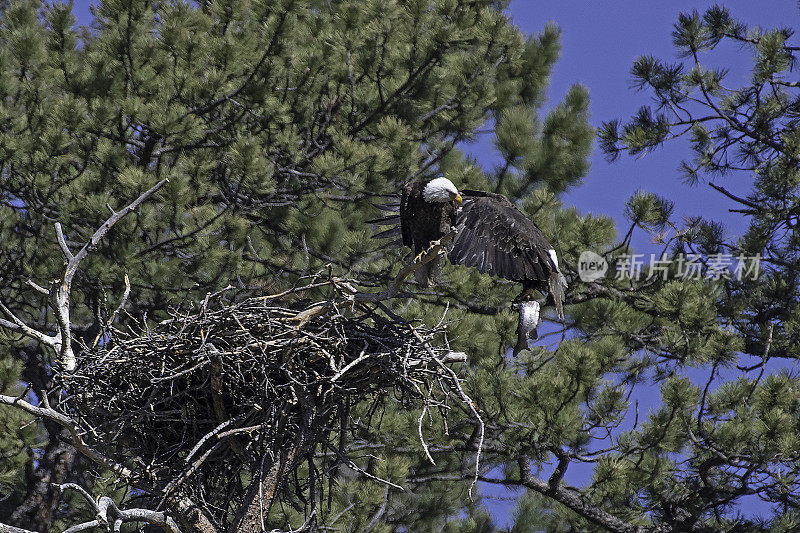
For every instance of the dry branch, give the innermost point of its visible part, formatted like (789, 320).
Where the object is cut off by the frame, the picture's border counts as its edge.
(60, 290)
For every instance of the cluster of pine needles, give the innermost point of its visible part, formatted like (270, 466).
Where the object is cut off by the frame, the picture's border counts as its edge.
(207, 395)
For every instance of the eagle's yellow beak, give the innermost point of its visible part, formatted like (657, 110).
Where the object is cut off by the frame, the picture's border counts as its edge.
(458, 199)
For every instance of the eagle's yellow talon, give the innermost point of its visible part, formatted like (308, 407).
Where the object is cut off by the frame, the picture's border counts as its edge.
(430, 249)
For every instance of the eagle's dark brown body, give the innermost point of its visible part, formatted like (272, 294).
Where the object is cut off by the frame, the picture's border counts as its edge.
(422, 223)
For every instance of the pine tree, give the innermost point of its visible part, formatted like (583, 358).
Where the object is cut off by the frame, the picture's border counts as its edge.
(275, 124)
(734, 435)
(278, 124)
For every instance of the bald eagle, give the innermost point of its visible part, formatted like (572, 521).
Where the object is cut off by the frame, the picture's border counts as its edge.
(427, 213)
(491, 235)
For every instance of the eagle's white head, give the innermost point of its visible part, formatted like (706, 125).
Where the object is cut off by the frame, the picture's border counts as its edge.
(441, 190)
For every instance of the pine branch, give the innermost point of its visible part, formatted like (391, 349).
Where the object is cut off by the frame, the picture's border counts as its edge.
(108, 515)
(577, 503)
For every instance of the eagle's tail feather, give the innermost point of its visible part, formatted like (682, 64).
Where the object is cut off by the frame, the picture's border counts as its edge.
(557, 285)
(429, 274)
(391, 232)
(435, 271)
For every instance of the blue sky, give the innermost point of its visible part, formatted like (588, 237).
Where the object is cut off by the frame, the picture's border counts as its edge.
(600, 41)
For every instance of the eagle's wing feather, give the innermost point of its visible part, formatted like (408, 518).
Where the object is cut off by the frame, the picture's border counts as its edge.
(391, 232)
(497, 238)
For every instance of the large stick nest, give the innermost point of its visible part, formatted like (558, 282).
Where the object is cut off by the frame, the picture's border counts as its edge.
(202, 395)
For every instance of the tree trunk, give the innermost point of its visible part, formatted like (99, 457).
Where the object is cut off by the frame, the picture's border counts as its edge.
(262, 491)
(37, 509)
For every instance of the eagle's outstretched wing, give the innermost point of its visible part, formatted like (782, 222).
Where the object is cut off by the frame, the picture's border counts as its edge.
(495, 237)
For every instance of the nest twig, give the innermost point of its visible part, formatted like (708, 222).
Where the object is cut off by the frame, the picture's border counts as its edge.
(203, 396)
